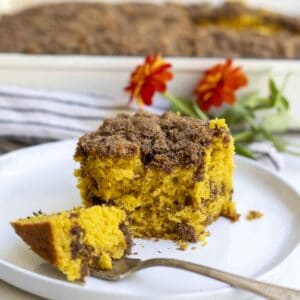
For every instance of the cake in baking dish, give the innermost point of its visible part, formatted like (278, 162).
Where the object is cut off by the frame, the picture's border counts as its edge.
(172, 175)
(76, 240)
(202, 29)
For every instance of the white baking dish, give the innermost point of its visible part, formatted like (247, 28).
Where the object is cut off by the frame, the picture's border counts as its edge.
(109, 74)
(291, 7)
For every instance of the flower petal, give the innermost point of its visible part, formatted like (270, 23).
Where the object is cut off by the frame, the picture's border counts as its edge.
(219, 85)
(146, 94)
(148, 78)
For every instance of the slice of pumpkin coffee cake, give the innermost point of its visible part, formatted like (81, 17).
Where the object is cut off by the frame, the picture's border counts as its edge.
(171, 174)
(76, 240)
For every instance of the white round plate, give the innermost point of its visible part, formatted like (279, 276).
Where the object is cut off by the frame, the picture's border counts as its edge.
(42, 178)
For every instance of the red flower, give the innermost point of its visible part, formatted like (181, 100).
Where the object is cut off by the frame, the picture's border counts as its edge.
(219, 85)
(147, 79)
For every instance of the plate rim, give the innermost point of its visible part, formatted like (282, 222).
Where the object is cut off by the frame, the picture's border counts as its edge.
(194, 295)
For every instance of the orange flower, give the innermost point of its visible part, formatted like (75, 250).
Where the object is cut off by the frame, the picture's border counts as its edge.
(219, 85)
(147, 79)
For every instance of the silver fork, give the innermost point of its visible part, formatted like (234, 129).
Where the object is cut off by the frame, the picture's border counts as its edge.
(127, 266)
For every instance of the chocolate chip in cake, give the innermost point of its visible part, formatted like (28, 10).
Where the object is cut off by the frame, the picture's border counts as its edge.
(74, 215)
(186, 233)
(76, 244)
(77, 231)
(95, 200)
(213, 190)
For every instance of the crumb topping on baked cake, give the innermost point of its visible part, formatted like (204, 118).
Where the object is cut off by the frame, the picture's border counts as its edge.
(232, 29)
(164, 141)
(171, 174)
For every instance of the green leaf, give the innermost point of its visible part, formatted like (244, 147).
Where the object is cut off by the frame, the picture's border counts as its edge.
(273, 88)
(243, 151)
(253, 101)
(261, 103)
(234, 115)
(278, 142)
(285, 102)
(249, 98)
(277, 122)
(280, 102)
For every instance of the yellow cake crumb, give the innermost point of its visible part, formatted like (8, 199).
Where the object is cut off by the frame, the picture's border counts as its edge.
(253, 215)
(181, 245)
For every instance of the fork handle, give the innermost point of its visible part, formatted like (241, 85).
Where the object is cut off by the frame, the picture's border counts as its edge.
(267, 290)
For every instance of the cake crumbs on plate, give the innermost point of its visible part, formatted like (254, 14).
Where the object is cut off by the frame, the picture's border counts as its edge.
(203, 243)
(182, 245)
(253, 215)
(194, 248)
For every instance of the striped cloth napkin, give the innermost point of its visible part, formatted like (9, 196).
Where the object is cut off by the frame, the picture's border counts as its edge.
(32, 116)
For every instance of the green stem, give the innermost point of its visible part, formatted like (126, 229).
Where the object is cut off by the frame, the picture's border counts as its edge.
(244, 136)
(251, 122)
(243, 151)
(278, 143)
(247, 118)
(199, 112)
(179, 105)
